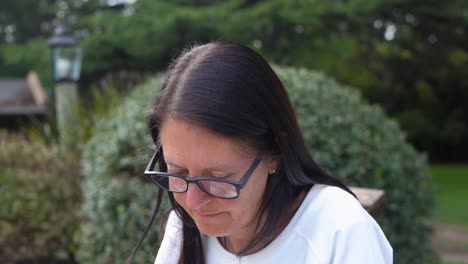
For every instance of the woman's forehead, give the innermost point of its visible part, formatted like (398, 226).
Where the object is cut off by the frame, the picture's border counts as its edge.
(182, 140)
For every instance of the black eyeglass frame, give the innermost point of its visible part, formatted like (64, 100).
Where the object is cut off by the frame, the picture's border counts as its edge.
(149, 172)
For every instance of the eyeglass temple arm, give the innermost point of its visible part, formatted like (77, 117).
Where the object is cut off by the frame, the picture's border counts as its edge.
(152, 163)
(250, 171)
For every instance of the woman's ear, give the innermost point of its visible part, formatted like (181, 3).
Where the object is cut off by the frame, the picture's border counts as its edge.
(273, 164)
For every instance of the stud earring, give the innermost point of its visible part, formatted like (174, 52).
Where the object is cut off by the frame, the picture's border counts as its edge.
(272, 171)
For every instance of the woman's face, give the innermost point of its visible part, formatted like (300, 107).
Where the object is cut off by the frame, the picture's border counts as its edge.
(194, 151)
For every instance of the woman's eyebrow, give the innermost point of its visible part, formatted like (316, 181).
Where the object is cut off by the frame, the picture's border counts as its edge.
(229, 167)
(223, 168)
(173, 165)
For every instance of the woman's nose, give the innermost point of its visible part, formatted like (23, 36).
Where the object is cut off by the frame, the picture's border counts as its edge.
(196, 198)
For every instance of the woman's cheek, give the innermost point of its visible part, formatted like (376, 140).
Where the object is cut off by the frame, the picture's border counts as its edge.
(180, 199)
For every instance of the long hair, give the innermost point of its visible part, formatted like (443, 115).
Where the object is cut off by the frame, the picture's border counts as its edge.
(231, 90)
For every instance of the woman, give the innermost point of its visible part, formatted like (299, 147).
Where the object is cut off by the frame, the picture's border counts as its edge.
(241, 182)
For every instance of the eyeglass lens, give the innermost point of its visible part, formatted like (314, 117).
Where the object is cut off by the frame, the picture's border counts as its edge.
(215, 188)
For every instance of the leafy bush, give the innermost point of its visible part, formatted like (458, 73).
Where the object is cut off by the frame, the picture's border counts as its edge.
(116, 204)
(357, 143)
(18, 59)
(41, 197)
(416, 75)
(353, 140)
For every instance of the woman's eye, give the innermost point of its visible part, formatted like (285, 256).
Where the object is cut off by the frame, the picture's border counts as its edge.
(222, 176)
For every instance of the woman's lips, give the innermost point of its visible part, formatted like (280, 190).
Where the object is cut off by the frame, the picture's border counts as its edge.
(206, 215)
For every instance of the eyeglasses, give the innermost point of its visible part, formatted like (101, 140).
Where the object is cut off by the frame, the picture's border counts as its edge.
(177, 183)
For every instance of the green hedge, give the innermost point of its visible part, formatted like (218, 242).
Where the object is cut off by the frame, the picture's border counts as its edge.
(117, 205)
(40, 198)
(357, 143)
(417, 81)
(18, 59)
(353, 140)
(417, 76)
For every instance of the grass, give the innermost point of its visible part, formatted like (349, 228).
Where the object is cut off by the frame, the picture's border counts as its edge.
(451, 194)
(451, 197)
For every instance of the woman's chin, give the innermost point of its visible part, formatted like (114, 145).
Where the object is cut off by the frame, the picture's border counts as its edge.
(212, 230)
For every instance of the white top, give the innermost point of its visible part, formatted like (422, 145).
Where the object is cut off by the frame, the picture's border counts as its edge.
(330, 226)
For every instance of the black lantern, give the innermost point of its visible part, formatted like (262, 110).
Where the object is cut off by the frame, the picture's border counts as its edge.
(66, 55)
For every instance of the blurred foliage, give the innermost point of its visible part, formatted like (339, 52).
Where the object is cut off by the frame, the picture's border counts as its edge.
(41, 197)
(99, 101)
(23, 20)
(408, 56)
(452, 181)
(357, 143)
(41, 186)
(353, 140)
(16, 60)
(116, 203)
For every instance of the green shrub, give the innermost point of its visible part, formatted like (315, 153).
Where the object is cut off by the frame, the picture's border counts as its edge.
(18, 59)
(41, 197)
(357, 143)
(117, 205)
(353, 140)
(417, 81)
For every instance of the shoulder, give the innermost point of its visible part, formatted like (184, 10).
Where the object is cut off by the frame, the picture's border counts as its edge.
(173, 231)
(331, 204)
(334, 223)
(173, 221)
(169, 250)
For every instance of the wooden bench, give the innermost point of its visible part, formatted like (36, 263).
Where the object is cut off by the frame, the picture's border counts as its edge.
(370, 199)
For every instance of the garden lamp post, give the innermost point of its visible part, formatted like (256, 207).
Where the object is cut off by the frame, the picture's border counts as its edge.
(66, 59)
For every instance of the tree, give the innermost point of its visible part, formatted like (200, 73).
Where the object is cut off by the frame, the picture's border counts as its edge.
(410, 56)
